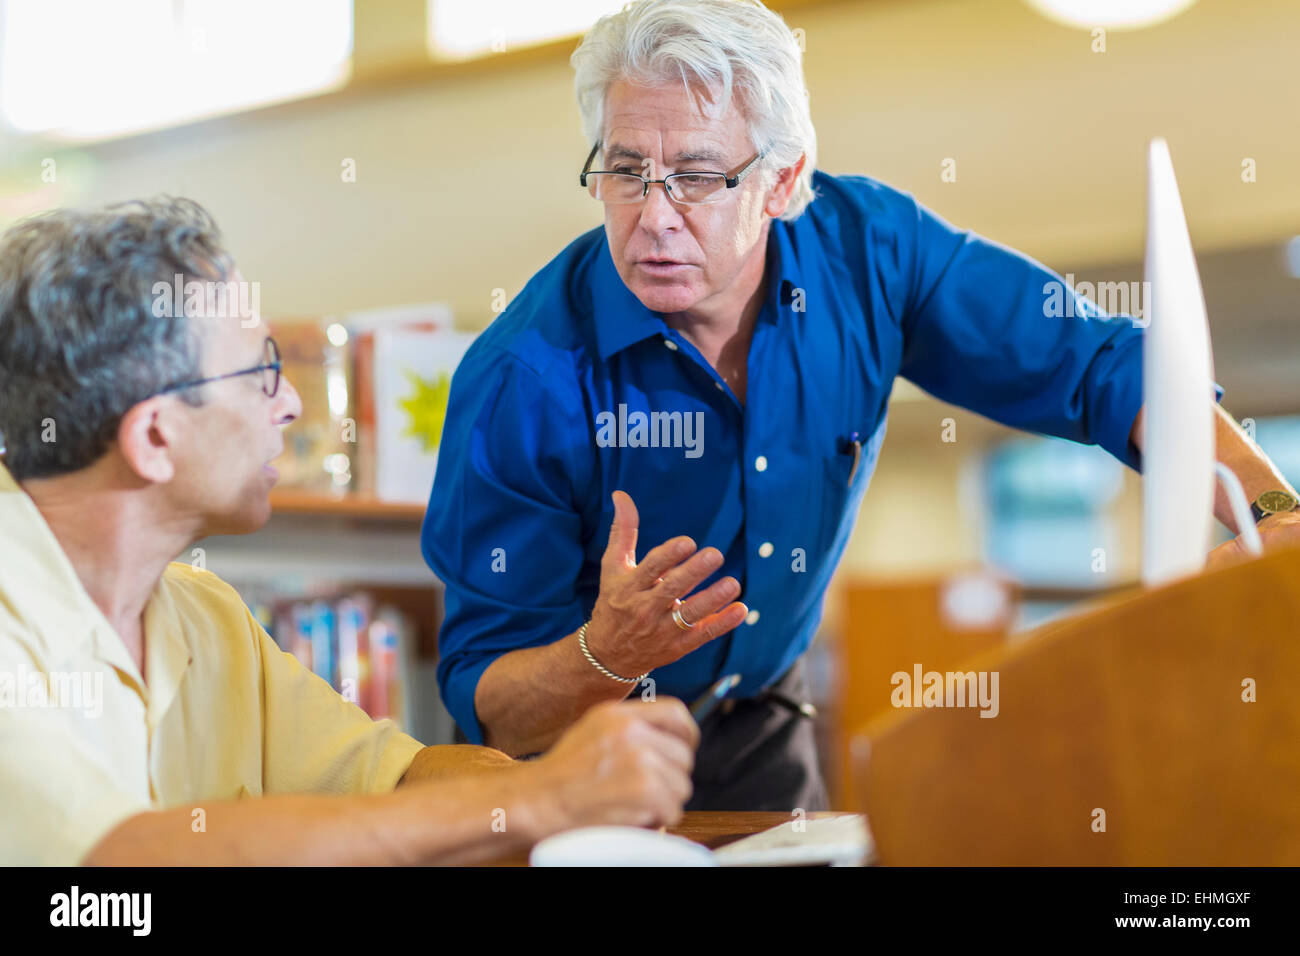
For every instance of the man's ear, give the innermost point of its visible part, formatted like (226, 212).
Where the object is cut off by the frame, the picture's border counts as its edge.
(778, 196)
(147, 437)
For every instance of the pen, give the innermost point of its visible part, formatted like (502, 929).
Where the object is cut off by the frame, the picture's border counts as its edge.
(852, 445)
(710, 698)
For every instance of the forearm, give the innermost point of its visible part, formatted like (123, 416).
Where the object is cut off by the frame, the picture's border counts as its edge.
(1247, 461)
(454, 822)
(527, 698)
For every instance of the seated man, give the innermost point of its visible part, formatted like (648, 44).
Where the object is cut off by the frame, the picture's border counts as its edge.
(139, 699)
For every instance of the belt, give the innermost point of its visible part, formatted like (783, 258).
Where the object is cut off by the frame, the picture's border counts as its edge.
(800, 708)
(797, 707)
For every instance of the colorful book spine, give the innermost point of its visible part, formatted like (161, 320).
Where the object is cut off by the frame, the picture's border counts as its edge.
(384, 650)
(363, 652)
(353, 620)
(321, 617)
(299, 642)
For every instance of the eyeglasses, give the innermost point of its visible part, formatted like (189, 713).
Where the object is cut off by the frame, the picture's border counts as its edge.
(269, 370)
(690, 188)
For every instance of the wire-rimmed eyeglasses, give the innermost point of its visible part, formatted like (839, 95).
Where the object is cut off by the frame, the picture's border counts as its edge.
(269, 370)
(691, 187)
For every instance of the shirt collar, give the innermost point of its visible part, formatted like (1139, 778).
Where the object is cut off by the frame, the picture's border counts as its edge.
(786, 287)
(39, 583)
(621, 320)
(37, 580)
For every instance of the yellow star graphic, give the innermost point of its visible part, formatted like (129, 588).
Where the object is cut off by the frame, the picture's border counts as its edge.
(427, 408)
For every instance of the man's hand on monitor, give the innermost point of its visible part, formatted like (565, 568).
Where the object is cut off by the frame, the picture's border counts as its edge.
(1276, 531)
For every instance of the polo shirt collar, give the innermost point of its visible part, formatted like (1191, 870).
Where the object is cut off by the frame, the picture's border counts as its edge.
(621, 320)
(40, 585)
(38, 582)
(166, 654)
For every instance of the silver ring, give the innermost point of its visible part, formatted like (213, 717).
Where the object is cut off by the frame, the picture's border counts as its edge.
(678, 619)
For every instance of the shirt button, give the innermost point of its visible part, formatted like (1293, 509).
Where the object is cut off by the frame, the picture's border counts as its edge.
(765, 549)
(751, 617)
(760, 463)
(671, 344)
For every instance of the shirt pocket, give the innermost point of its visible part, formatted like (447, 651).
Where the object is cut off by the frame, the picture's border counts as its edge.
(844, 481)
(838, 473)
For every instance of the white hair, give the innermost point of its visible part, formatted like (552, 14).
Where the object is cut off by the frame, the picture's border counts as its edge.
(738, 47)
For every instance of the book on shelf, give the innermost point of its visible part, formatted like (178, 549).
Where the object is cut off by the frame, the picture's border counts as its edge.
(320, 447)
(362, 650)
(374, 387)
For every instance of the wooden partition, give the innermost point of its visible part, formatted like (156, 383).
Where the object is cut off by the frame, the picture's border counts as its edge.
(1161, 728)
(893, 626)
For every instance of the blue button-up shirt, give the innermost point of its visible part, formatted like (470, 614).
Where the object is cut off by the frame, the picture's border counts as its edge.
(544, 423)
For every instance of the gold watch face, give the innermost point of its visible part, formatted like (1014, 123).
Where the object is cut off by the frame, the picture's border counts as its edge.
(1271, 502)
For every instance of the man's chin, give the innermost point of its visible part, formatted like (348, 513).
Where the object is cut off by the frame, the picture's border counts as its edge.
(665, 297)
(249, 517)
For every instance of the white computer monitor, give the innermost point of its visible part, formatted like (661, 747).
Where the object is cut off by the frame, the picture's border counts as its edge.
(1178, 462)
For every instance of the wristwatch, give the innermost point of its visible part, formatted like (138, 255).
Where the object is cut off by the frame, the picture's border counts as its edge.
(1271, 503)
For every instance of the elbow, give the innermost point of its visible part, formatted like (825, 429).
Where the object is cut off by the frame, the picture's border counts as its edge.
(105, 853)
(117, 847)
(1135, 433)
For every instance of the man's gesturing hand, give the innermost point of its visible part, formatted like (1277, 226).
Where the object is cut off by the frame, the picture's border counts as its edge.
(632, 628)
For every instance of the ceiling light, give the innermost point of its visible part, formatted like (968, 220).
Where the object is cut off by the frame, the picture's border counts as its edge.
(1113, 14)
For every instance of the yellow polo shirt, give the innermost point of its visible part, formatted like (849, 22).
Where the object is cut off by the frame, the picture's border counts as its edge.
(86, 743)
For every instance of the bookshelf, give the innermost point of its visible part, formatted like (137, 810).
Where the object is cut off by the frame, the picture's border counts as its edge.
(359, 507)
(316, 545)
(336, 560)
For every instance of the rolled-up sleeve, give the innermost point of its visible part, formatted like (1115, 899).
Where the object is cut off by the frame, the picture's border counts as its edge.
(502, 532)
(317, 742)
(989, 329)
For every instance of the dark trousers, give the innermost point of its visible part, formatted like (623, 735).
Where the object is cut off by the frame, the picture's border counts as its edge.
(757, 754)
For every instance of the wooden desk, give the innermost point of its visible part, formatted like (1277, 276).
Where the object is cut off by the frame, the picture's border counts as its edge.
(710, 828)
(1129, 735)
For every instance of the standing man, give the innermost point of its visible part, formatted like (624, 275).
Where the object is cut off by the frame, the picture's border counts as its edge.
(721, 353)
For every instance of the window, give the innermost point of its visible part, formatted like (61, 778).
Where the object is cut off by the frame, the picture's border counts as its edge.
(1048, 502)
(1279, 437)
(85, 69)
(462, 29)
(1050, 522)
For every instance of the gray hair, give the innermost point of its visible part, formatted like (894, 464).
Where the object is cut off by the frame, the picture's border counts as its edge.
(737, 46)
(80, 342)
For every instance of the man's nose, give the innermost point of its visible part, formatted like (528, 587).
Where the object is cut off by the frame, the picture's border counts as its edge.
(288, 403)
(658, 212)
